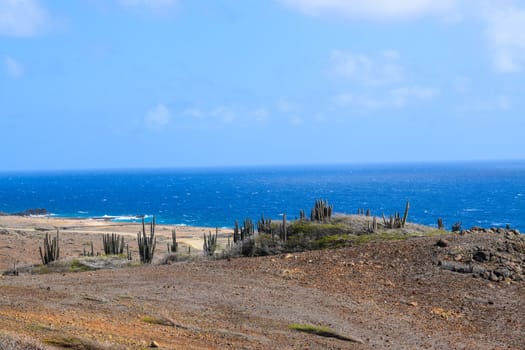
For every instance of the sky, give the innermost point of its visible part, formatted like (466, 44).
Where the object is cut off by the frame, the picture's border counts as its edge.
(103, 84)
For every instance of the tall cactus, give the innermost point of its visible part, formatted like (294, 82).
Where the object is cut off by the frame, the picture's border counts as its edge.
(236, 233)
(51, 249)
(174, 246)
(283, 234)
(405, 216)
(147, 243)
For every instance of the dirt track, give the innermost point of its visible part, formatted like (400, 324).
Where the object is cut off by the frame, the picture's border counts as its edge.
(388, 294)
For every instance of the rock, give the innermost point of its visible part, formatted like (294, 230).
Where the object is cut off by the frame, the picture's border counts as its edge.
(442, 243)
(455, 266)
(154, 344)
(493, 277)
(30, 212)
(481, 256)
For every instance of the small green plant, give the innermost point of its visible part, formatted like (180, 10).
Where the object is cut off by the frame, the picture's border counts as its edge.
(163, 321)
(70, 342)
(77, 266)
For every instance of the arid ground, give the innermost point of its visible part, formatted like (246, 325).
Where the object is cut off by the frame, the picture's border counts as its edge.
(405, 294)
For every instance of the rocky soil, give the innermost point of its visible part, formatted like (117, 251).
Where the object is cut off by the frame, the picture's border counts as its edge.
(387, 295)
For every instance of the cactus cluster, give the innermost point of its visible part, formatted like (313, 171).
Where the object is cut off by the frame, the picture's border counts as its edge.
(113, 244)
(240, 234)
(372, 226)
(396, 221)
(322, 211)
(210, 243)
(456, 227)
(264, 225)
(362, 212)
(302, 215)
(147, 243)
(51, 249)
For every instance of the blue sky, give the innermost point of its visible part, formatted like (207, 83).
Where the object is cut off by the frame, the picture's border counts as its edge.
(172, 83)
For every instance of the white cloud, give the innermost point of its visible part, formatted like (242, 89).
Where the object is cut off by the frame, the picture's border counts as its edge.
(392, 99)
(222, 114)
(158, 6)
(374, 9)
(22, 18)
(13, 68)
(157, 117)
(225, 114)
(379, 70)
(505, 33)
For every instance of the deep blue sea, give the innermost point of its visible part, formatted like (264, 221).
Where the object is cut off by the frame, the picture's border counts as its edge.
(482, 194)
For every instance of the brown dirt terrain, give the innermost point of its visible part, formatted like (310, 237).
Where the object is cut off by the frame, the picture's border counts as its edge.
(389, 295)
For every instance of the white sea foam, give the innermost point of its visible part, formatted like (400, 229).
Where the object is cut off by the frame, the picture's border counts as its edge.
(125, 218)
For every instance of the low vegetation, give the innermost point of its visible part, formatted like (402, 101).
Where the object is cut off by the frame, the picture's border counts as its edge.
(70, 342)
(321, 230)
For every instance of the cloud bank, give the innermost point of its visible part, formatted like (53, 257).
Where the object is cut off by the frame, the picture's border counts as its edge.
(22, 18)
(373, 9)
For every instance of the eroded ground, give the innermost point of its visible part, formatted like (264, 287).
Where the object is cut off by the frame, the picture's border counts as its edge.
(390, 295)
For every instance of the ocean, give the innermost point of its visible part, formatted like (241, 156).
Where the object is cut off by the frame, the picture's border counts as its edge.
(476, 194)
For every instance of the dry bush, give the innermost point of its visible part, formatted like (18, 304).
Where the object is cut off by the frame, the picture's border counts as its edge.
(18, 342)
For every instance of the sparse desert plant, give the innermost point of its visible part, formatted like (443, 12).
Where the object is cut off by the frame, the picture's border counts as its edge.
(440, 224)
(70, 342)
(18, 342)
(456, 227)
(51, 250)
